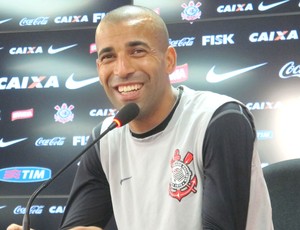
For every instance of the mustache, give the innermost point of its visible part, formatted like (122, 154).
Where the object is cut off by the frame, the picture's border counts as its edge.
(130, 78)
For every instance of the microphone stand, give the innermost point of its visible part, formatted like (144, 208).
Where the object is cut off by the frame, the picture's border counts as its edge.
(125, 115)
(26, 218)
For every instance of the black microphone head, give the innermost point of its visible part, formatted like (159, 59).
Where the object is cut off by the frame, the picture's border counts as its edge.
(126, 114)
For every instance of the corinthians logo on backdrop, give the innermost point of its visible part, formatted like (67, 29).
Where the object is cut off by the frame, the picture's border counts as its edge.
(64, 113)
(191, 11)
(183, 181)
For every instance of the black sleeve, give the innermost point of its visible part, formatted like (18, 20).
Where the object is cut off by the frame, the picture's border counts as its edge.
(227, 157)
(89, 203)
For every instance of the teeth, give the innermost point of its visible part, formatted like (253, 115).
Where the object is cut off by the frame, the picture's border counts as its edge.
(129, 88)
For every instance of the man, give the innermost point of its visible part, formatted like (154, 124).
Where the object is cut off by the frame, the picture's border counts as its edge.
(189, 159)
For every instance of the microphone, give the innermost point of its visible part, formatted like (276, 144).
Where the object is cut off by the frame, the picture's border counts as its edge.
(124, 116)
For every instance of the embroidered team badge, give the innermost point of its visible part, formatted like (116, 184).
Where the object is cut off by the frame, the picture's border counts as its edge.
(183, 182)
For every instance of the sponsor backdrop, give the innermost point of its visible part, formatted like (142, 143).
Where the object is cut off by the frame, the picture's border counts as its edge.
(50, 98)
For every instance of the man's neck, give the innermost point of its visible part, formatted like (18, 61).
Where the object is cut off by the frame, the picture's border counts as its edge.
(161, 125)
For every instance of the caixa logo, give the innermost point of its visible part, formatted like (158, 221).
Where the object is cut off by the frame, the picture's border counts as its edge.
(24, 174)
(57, 209)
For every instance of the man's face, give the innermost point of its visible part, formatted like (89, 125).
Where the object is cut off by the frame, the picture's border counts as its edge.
(132, 65)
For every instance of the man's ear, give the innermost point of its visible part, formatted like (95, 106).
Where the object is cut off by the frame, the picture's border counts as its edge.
(98, 70)
(171, 59)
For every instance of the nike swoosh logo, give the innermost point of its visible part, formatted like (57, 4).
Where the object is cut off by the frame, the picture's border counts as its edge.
(1, 207)
(125, 179)
(8, 143)
(213, 77)
(5, 20)
(52, 50)
(72, 84)
(263, 7)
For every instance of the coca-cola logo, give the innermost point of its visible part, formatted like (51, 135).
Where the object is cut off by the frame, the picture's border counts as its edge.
(34, 21)
(35, 209)
(186, 41)
(55, 141)
(289, 70)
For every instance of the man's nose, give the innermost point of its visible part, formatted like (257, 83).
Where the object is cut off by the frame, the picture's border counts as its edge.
(123, 66)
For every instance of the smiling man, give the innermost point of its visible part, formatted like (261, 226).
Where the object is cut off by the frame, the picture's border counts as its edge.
(187, 161)
(134, 63)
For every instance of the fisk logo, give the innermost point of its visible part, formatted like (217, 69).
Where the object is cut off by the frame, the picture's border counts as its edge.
(24, 174)
(80, 140)
(273, 36)
(97, 17)
(220, 39)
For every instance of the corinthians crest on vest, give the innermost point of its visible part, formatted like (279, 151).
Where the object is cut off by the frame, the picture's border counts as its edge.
(183, 181)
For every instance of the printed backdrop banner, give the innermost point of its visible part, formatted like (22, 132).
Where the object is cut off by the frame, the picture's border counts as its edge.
(50, 96)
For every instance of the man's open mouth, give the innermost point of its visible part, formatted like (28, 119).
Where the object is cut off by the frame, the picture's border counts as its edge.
(129, 88)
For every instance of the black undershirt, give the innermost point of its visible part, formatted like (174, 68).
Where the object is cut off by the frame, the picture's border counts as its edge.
(227, 157)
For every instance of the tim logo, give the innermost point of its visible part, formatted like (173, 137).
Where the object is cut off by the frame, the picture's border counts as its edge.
(24, 174)
(264, 134)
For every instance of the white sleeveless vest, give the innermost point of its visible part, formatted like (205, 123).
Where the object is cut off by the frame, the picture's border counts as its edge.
(156, 182)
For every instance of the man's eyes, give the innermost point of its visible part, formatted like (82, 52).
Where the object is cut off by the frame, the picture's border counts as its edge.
(106, 57)
(138, 51)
